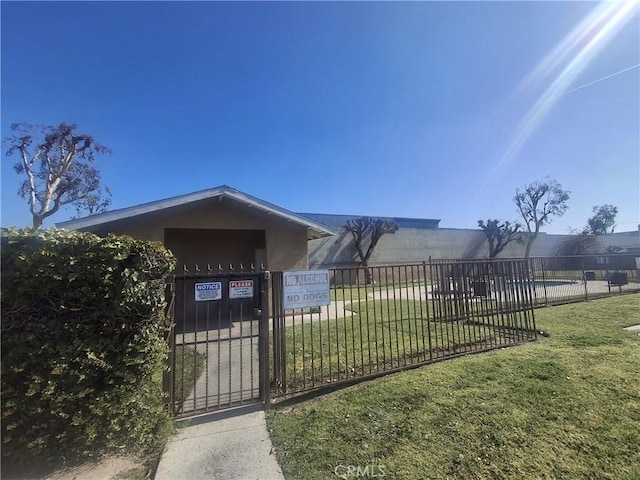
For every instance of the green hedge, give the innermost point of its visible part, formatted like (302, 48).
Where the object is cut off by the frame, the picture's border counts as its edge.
(83, 340)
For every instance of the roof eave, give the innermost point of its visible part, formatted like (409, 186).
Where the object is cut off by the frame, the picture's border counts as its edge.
(314, 230)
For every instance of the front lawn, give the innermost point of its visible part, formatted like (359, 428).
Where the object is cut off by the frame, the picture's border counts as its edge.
(383, 335)
(566, 406)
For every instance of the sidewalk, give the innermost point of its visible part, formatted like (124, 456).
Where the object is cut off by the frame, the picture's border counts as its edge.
(230, 445)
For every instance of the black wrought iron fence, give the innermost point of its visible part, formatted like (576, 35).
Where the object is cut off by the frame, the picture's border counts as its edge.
(566, 279)
(218, 341)
(407, 316)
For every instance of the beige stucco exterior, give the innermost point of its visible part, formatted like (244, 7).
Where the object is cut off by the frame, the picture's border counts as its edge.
(282, 247)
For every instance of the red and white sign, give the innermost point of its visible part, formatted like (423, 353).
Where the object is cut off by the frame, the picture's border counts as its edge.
(241, 289)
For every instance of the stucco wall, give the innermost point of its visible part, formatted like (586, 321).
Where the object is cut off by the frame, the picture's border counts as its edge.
(415, 245)
(286, 242)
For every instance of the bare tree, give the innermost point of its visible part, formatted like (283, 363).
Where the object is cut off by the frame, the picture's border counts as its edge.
(538, 203)
(366, 232)
(499, 235)
(604, 220)
(59, 166)
(580, 243)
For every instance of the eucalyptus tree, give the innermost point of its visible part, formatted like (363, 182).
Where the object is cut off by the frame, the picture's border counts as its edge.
(59, 166)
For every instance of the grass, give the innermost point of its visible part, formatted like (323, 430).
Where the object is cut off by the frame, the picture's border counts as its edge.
(189, 367)
(384, 335)
(349, 293)
(567, 406)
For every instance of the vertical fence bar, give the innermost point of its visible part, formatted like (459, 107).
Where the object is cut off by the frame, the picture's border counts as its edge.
(522, 282)
(366, 309)
(428, 279)
(320, 344)
(501, 287)
(338, 370)
(263, 294)
(362, 364)
(354, 351)
(413, 352)
(476, 301)
(241, 338)
(531, 320)
(584, 280)
(184, 326)
(381, 320)
(456, 277)
(395, 312)
(302, 352)
(344, 331)
(206, 356)
(505, 306)
(385, 321)
(375, 322)
(313, 356)
(230, 354)
(544, 281)
(279, 382)
(329, 340)
(263, 339)
(465, 306)
(618, 276)
(439, 315)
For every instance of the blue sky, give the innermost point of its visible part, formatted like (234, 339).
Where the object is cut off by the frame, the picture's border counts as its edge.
(412, 109)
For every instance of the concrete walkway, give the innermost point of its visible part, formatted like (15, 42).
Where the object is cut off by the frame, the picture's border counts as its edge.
(230, 445)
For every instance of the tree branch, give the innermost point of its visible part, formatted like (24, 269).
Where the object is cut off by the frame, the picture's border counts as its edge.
(58, 173)
(30, 179)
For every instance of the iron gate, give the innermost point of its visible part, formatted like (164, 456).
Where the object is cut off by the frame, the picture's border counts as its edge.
(219, 341)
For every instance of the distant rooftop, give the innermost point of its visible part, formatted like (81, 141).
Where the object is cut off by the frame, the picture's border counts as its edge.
(336, 221)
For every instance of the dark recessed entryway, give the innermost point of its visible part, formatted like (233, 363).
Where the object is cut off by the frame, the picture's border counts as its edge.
(202, 247)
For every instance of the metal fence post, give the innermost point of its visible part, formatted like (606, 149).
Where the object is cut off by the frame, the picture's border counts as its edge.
(584, 280)
(263, 341)
(428, 282)
(278, 332)
(618, 277)
(544, 281)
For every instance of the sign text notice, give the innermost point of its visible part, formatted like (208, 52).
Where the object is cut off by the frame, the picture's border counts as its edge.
(308, 288)
(208, 291)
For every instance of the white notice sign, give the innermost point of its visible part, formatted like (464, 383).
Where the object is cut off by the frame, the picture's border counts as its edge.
(208, 291)
(308, 288)
(241, 289)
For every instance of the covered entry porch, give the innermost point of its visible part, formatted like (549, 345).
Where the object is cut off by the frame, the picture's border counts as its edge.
(219, 226)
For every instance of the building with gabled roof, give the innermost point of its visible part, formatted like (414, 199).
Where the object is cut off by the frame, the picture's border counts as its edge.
(224, 226)
(217, 226)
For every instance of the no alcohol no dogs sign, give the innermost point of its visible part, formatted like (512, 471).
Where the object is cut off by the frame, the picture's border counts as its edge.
(307, 288)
